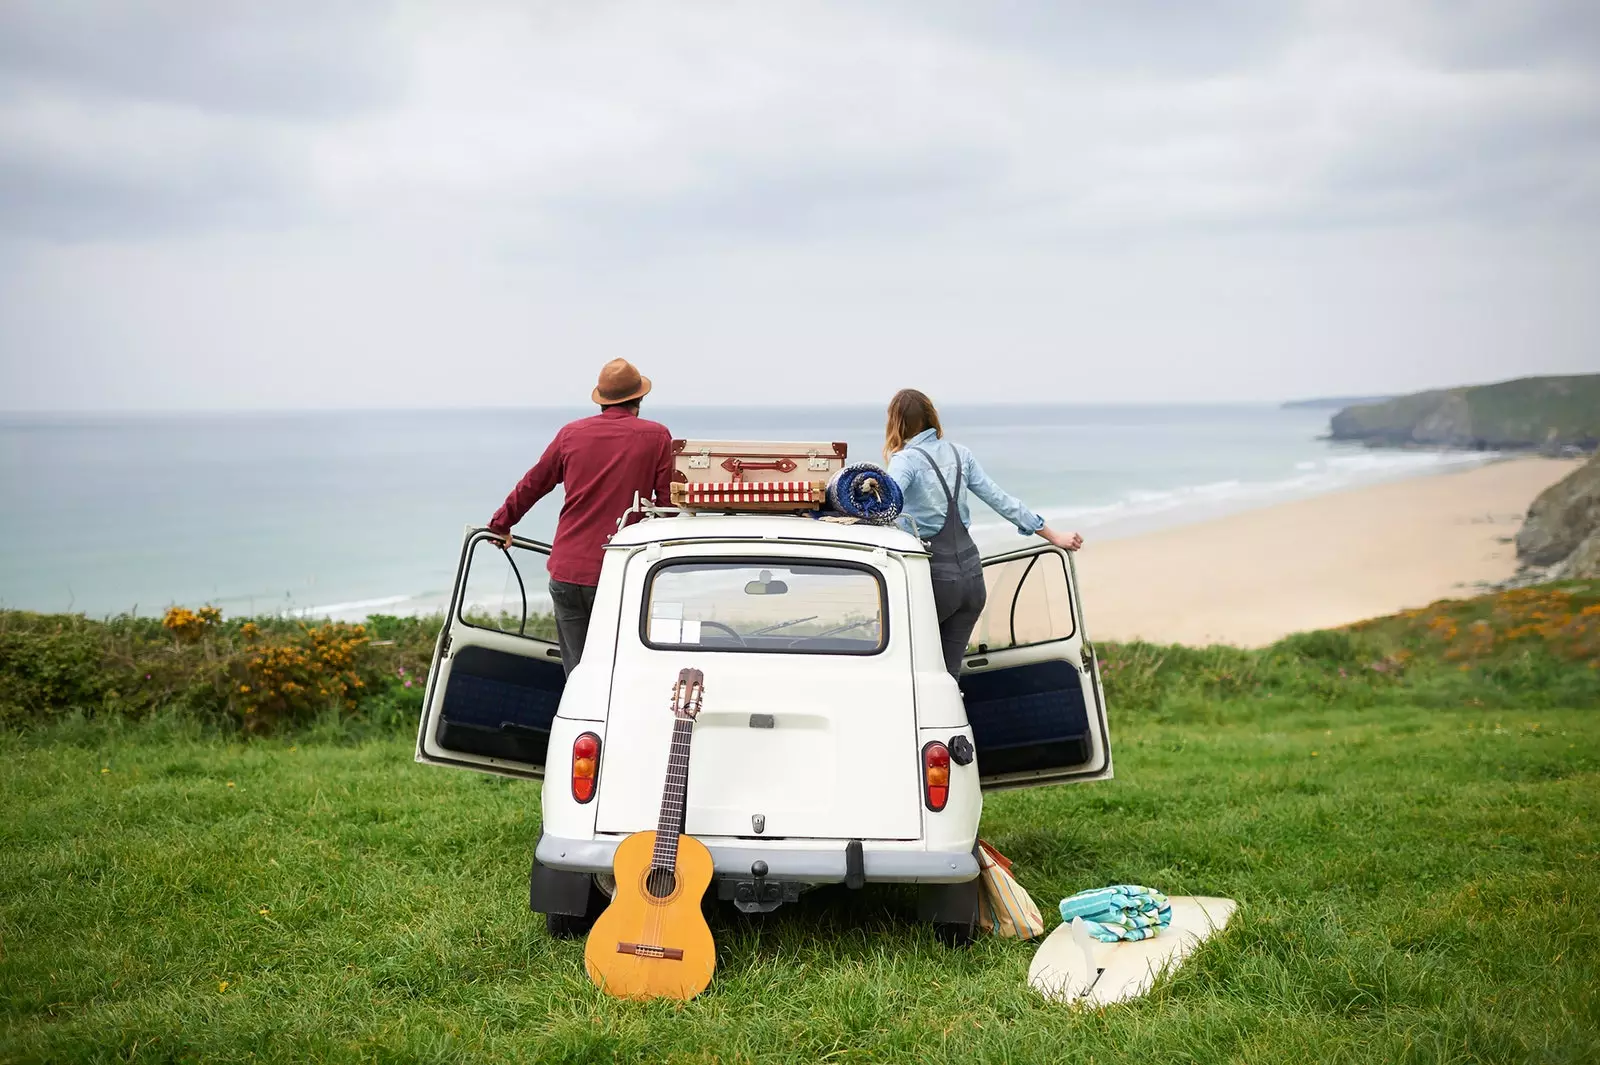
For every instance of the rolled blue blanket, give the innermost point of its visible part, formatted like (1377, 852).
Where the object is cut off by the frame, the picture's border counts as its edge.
(1120, 913)
(866, 492)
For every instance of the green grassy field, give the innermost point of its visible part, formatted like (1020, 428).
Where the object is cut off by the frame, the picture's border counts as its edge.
(216, 847)
(1417, 884)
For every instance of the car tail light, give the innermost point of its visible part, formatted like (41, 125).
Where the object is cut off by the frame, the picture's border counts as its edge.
(585, 766)
(936, 775)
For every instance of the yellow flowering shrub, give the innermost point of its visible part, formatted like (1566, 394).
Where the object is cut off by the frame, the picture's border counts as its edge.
(1561, 621)
(189, 624)
(260, 673)
(316, 667)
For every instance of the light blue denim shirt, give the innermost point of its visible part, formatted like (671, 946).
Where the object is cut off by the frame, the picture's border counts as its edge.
(925, 503)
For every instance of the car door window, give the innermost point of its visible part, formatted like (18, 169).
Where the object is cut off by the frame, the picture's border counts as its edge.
(1029, 602)
(505, 590)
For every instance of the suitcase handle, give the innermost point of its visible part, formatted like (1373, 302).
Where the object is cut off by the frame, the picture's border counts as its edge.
(738, 466)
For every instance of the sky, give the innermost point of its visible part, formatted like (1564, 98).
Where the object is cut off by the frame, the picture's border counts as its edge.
(228, 205)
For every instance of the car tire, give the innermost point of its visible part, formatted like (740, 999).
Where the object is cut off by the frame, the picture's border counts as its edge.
(956, 934)
(569, 926)
(577, 925)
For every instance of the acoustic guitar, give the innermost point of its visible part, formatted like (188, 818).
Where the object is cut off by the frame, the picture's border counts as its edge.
(653, 941)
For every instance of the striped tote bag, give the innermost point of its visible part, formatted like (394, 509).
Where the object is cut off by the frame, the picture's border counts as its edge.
(1005, 908)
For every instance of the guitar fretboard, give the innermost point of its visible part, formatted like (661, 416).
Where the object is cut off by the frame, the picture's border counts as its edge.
(674, 797)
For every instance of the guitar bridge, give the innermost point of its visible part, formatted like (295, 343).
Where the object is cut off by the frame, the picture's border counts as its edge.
(651, 950)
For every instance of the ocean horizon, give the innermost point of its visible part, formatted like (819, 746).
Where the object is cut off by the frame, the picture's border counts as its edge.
(344, 513)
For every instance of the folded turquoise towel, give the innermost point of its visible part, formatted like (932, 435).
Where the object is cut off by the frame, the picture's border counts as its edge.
(1120, 913)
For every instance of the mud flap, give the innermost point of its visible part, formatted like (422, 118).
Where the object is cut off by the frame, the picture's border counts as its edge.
(951, 904)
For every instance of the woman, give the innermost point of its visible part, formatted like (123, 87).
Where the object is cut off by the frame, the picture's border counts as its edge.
(932, 473)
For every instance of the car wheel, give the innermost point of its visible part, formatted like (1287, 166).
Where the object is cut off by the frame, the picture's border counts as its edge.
(577, 925)
(955, 934)
(569, 926)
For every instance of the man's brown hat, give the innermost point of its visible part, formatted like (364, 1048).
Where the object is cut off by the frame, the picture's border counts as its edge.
(620, 382)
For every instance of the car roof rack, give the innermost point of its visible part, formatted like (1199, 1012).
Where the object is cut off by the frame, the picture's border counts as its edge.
(645, 508)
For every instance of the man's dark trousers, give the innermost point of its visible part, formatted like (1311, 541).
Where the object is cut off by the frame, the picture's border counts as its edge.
(573, 604)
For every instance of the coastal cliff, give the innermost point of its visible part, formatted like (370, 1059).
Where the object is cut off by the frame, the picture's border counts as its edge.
(1546, 413)
(1561, 536)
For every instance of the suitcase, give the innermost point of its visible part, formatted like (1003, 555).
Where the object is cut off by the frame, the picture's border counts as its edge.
(753, 475)
(744, 461)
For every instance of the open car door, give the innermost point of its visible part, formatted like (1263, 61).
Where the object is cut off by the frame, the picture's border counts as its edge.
(1030, 680)
(496, 679)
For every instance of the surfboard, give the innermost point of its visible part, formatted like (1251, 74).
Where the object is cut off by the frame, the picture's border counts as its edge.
(1072, 966)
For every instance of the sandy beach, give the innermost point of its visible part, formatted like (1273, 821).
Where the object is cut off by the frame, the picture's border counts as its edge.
(1254, 577)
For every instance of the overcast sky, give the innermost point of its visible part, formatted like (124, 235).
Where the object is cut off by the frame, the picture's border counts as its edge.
(232, 205)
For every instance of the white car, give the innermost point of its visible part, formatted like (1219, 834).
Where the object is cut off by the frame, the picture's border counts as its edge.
(833, 745)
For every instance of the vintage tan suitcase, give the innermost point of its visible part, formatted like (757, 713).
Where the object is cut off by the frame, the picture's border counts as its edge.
(754, 461)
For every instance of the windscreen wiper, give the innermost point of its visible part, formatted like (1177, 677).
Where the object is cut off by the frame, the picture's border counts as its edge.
(846, 628)
(781, 625)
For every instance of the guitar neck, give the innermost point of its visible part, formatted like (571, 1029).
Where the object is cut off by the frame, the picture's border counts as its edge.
(674, 796)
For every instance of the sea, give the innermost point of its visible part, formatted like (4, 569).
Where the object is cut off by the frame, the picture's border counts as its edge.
(345, 514)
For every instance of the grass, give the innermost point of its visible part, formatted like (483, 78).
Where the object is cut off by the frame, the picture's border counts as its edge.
(1417, 884)
(1407, 810)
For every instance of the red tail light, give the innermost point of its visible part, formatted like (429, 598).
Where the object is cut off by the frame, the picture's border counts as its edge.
(936, 775)
(585, 766)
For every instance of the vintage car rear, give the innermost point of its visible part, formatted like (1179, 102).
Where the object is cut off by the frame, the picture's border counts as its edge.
(833, 745)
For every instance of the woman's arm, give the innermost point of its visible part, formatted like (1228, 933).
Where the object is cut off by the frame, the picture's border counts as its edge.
(1013, 509)
(1066, 541)
(904, 471)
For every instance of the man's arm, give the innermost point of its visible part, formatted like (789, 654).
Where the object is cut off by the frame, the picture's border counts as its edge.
(534, 486)
(664, 467)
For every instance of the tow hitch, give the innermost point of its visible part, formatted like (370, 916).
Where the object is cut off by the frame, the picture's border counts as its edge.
(758, 894)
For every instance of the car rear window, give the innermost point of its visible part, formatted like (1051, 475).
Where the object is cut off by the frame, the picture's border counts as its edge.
(765, 605)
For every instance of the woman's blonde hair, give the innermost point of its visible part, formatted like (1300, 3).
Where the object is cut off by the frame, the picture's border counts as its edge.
(910, 412)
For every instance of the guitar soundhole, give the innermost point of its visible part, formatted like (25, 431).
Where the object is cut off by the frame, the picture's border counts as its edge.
(660, 883)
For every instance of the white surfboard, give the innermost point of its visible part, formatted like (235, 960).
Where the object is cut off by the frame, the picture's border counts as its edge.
(1072, 966)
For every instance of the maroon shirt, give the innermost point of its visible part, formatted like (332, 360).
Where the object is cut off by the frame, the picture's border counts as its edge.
(602, 460)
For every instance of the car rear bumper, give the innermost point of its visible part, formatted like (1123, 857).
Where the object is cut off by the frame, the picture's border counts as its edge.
(811, 865)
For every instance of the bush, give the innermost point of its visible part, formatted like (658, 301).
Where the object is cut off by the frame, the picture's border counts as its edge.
(1562, 619)
(1333, 647)
(254, 675)
(48, 665)
(1532, 647)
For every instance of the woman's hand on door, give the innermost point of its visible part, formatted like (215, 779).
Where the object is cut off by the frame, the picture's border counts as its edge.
(1066, 541)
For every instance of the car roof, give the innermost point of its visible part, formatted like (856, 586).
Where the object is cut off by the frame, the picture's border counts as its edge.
(765, 527)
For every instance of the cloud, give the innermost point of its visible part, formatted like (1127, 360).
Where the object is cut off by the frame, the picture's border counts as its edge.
(289, 60)
(119, 121)
(908, 175)
(628, 117)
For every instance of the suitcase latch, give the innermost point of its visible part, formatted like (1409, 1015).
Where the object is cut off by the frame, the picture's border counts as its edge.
(816, 463)
(701, 461)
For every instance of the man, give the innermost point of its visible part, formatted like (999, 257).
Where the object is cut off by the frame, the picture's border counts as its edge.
(602, 460)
